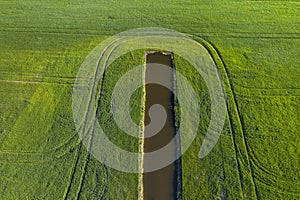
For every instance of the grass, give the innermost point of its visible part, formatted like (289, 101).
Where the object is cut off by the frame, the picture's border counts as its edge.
(255, 45)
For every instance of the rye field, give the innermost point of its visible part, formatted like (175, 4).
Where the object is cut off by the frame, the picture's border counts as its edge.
(254, 45)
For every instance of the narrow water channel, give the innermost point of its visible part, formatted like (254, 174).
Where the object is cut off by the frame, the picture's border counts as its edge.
(160, 184)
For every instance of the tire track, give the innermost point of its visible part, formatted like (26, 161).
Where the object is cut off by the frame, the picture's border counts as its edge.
(89, 107)
(105, 186)
(57, 32)
(40, 157)
(259, 166)
(77, 156)
(206, 44)
(231, 127)
(38, 76)
(223, 192)
(97, 112)
(95, 32)
(272, 179)
(35, 82)
(266, 96)
(240, 120)
(273, 184)
(255, 37)
(266, 92)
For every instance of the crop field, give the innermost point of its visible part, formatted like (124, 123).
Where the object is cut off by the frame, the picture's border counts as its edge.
(254, 45)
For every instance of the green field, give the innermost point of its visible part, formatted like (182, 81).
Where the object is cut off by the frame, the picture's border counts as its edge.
(254, 44)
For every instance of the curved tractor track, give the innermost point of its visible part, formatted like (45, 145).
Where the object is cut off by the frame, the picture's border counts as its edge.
(242, 161)
(87, 158)
(254, 167)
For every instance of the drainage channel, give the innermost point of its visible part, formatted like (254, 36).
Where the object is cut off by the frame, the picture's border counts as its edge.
(163, 183)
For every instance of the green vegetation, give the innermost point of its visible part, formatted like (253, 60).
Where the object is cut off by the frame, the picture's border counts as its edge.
(255, 45)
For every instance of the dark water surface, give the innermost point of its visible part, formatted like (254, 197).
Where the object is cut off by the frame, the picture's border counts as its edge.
(160, 184)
